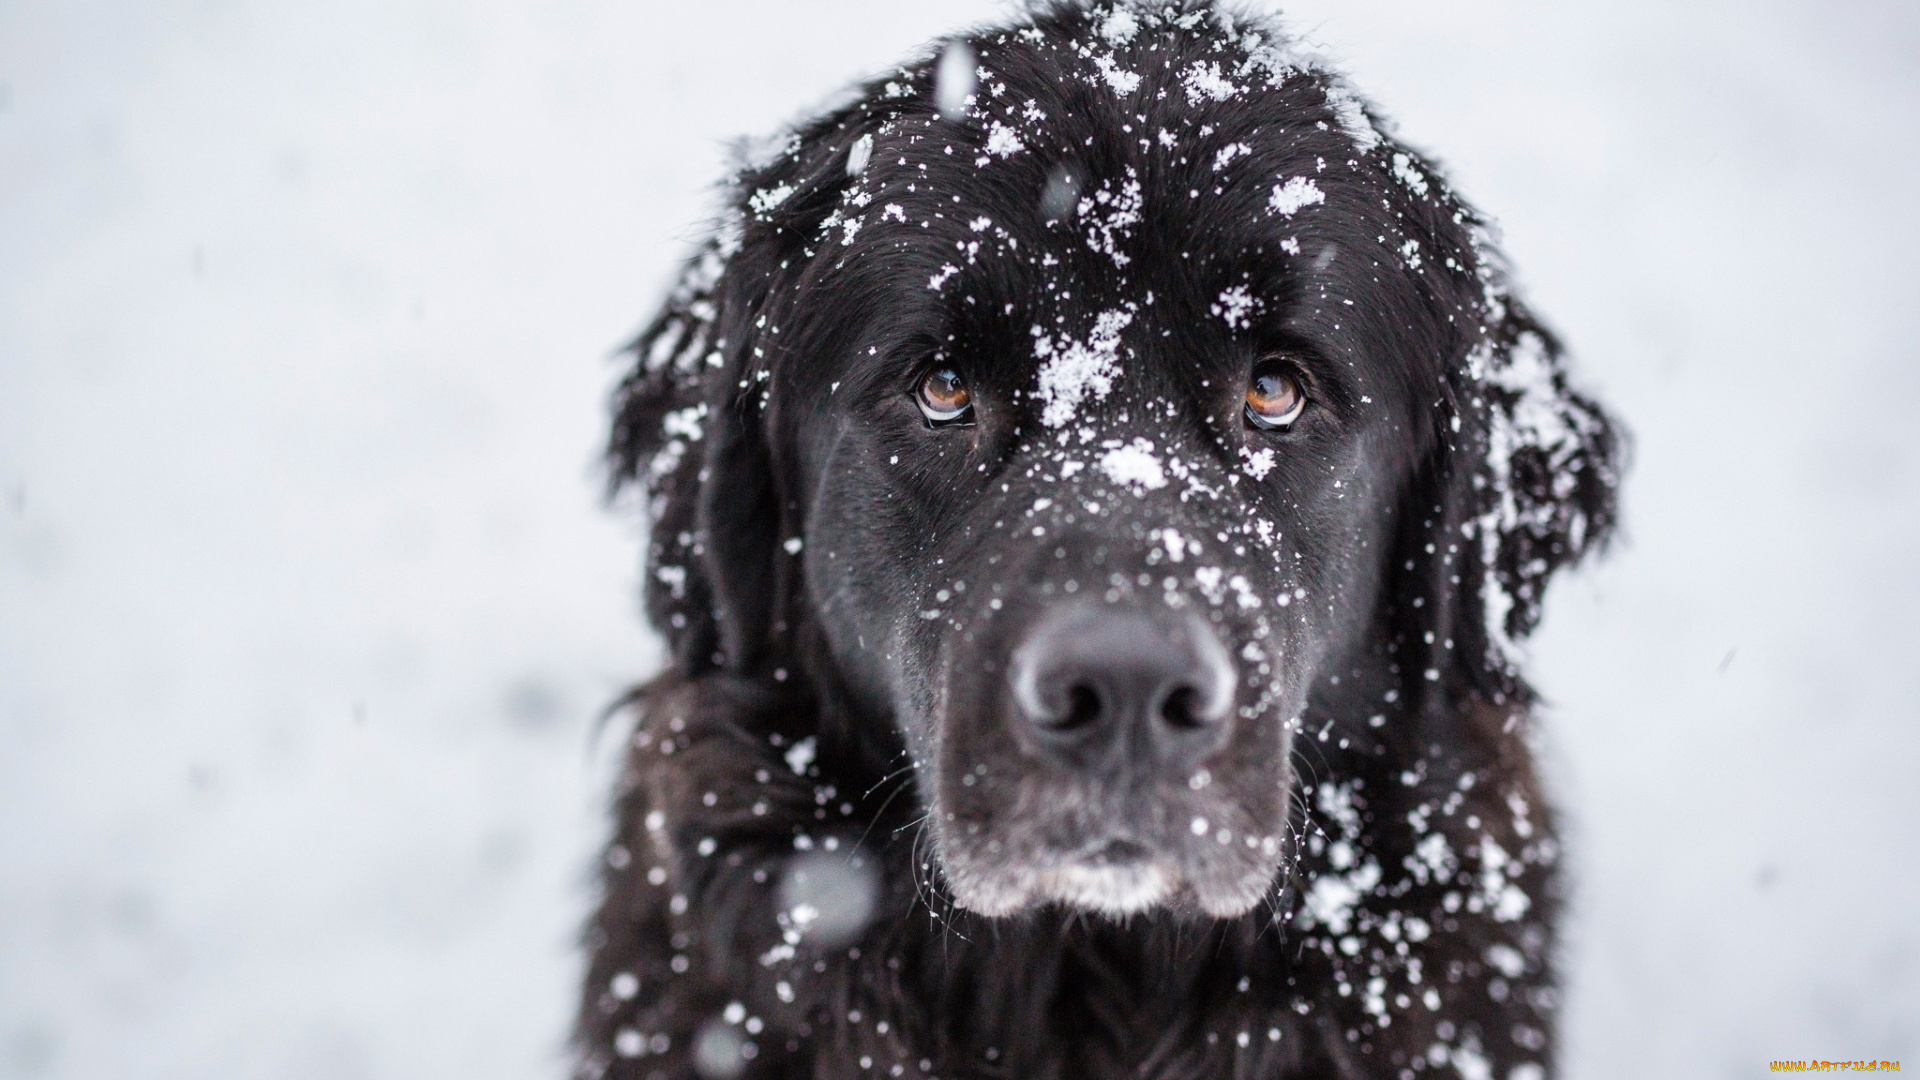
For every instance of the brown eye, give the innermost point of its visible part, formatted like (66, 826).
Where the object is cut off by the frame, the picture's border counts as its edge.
(1274, 397)
(944, 398)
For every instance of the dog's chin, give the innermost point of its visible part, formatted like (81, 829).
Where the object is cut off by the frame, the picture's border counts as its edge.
(1114, 891)
(1111, 890)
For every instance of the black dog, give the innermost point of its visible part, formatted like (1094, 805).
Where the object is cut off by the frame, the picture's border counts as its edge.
(1097, 484)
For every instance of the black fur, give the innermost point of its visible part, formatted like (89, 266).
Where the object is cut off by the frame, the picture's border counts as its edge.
(1367, 887)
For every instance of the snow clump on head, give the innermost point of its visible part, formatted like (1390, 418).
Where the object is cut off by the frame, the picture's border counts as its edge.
(1119, 26)
(1072, 371)
(1111, 215)
(1289, 197)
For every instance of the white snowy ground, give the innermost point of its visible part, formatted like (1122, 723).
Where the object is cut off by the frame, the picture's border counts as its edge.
(306, 602)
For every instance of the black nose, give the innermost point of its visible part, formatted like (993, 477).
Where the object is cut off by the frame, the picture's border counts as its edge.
(1123, 692)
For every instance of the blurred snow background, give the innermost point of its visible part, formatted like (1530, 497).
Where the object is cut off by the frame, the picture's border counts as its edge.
(307, 603)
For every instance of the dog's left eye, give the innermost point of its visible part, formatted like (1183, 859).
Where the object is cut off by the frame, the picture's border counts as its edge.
(944, 398)
(1275, 398)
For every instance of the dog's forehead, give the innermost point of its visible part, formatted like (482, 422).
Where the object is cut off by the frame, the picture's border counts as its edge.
(1106, 183)
(1069, 184)
(1107, 216)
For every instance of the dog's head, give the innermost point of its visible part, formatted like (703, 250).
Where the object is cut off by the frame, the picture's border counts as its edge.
(1089, 401)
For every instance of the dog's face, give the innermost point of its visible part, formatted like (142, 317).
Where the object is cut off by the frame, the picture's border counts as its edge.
(1092, 551)
(1101, 415)
(1101, 457)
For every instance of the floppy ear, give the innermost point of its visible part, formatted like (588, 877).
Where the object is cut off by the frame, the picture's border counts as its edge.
(687, 422)
(661, 410)
(1522, 483)
(1546, 478)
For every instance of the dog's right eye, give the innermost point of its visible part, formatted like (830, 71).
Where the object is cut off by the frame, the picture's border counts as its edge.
(944, 398)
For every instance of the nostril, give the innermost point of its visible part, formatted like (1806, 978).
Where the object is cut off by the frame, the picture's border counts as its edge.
(1083, 707)
(1183, 708)
(1100, 689)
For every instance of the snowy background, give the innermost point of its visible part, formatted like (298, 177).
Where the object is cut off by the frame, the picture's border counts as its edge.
(307, 603)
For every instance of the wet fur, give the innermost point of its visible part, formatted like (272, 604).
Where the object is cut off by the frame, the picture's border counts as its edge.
(929, 989)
